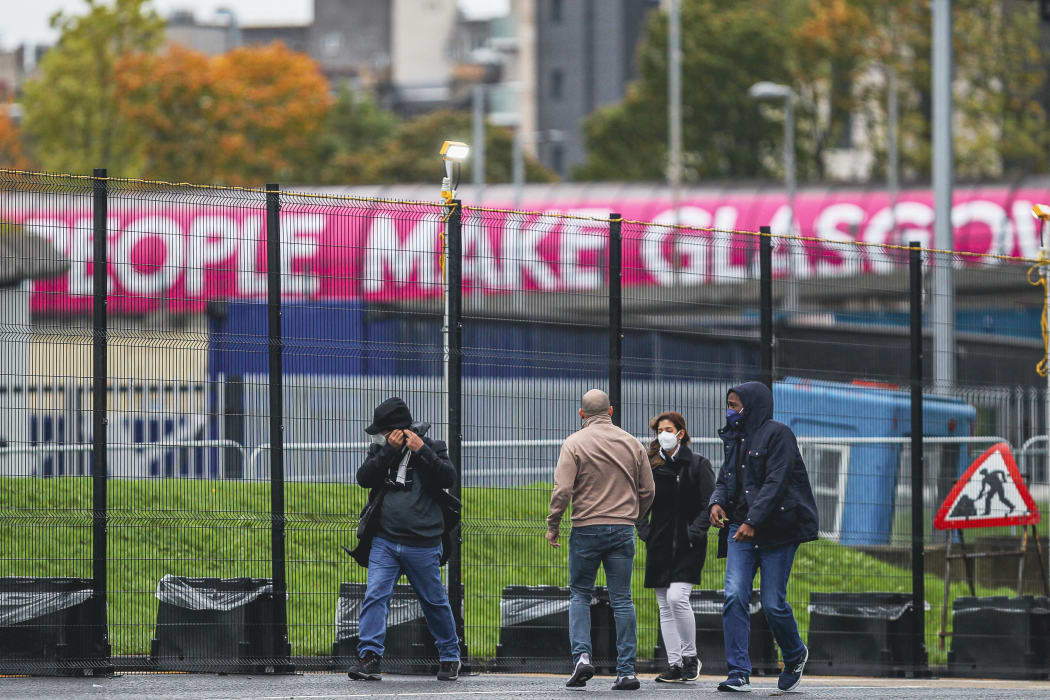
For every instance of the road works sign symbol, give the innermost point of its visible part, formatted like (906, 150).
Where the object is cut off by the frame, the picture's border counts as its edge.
(990, 494)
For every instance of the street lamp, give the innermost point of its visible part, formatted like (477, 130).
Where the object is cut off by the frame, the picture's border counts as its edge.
(453, 153)
(766, 90)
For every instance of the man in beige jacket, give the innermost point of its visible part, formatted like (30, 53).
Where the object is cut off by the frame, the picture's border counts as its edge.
(605, 473)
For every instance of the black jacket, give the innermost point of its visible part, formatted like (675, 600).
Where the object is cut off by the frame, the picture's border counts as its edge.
(675, 528)
(775, 485)
(420, 513)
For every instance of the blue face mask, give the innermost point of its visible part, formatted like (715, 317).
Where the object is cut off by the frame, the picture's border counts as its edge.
(734, 417)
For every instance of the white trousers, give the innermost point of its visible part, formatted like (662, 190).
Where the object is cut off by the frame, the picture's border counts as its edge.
(677, 622)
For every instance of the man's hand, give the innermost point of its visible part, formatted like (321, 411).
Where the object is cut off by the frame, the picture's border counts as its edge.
(413, 440)
(396, 438)
(552, 538)
(718, 516)
(744, 533)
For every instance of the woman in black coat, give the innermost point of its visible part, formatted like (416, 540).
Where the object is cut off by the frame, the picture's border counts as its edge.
(675, 535)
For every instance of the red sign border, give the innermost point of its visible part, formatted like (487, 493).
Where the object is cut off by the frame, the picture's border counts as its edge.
(940, 521)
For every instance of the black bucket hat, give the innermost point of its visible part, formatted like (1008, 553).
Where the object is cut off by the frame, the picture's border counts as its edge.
(390, 415)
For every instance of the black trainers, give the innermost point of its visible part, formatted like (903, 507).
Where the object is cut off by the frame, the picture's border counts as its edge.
(736, 683)
(691, 668)
(629, 682)
(791, 676)
(449, 670)
(367, 668)
(673, 674)
(582, 673)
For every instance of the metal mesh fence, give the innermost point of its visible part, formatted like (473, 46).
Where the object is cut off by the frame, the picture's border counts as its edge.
(190, 371)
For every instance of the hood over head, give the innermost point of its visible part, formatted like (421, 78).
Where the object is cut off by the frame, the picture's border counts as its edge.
(758, 405)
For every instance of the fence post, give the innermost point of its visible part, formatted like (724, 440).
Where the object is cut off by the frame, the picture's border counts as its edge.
(99, 382)
(282, 649)
(918, 563)
(454, 267)
(616, 315)
(765, 300)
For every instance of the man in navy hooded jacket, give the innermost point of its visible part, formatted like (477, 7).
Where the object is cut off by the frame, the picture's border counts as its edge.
(765, 509)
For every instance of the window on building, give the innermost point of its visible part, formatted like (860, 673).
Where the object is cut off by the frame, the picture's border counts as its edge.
(557, 83)
(555, 11)
(331, 43)
(557, 158)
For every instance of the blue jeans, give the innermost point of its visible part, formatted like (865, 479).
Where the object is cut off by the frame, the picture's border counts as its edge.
(386, 562)
(744, 559)
(611, 546)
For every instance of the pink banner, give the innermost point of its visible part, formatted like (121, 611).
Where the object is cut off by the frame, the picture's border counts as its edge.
(177, 258)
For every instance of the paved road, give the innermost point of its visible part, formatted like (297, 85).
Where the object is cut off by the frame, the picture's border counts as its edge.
(330, 685)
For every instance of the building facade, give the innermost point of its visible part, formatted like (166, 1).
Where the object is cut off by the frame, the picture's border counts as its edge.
(585, 56)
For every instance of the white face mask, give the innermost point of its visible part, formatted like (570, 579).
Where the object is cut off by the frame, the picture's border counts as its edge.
(378, 439)
(668, 441)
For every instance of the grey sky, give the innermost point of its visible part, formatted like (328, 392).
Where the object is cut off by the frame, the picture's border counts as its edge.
(22, 21)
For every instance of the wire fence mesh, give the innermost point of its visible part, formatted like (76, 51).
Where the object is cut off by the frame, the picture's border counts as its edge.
(224, 506)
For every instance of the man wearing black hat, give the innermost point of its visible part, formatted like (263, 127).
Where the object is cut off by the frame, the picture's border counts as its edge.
(405, 529)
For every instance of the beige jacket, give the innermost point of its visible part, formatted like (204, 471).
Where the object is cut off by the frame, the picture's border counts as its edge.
(605, 472)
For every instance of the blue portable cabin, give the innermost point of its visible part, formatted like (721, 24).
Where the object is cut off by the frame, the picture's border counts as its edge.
(856, 496)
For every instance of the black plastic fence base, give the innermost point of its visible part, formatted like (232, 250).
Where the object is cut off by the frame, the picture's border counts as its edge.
(409, 647)
(534, 631)
(57, 627)
(241, 639)
(1000, 637)
(710, 638)
(861, 634)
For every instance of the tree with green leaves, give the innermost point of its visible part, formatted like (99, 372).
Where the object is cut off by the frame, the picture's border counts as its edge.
(410, 154)
(836, 55)
(72, 120)
(726, 47)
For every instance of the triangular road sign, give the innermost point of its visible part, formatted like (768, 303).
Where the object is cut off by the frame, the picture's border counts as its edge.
(990, 494)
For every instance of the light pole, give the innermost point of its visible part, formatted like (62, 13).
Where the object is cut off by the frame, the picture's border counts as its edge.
(479, 142)
(774, 91)
(674, 99)
(892, 147)
(453, 153)
(943, 296)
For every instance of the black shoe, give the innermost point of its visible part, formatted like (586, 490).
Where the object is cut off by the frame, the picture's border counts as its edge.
(626, 683)
(791, 676)
(691, 668)
(367, 668)
(449, 670)
(582, 673)
(737, 683)
(672, 675)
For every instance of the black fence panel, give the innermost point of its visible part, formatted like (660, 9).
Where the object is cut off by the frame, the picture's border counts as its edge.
(189, 372)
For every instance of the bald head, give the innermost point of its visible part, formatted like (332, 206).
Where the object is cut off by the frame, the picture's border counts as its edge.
(594, 402)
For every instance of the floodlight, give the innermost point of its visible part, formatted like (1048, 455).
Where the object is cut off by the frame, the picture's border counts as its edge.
(767, 90)
(1041, 212)
(455, 151)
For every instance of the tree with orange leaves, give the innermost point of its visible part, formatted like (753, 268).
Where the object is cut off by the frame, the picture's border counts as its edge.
(245, 117)
(11, 153)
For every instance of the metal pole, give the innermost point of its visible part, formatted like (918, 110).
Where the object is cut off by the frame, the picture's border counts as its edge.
(918, 562)
(99, 383)
(454, 295)
(943, 292)
(616, 315)
(517, 174)
(1045, 271)
(478, 165)
(796, 258)
(765, 265)
(893, 153)
(674, 98)
(282, 649)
